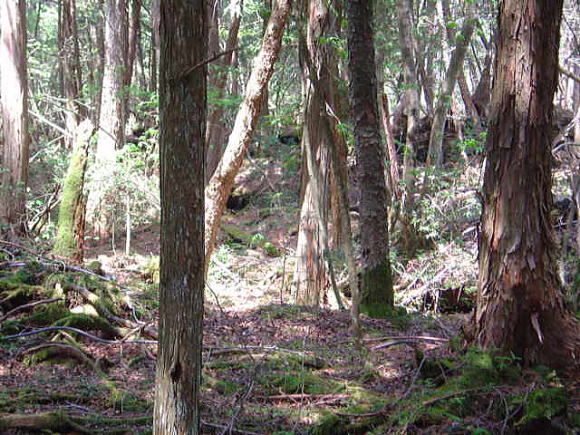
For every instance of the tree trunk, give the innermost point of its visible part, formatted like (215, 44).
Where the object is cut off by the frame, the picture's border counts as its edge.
(409, 234)
(132, 42)
(435, 156)
(377, 286)
(519, 302)
(110, 134)
(14, 92)
(311, 276)
(155, 5)
(182, 98)
(71, 216)
(221, 183)
(70, 67)
(216, 130)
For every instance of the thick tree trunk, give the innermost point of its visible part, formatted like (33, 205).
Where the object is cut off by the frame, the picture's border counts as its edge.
(71, 215)
(14, 90)
(376, 297)
(182, 98)
(311, 276)
(221, 183)
(435, 156)
(519, 302)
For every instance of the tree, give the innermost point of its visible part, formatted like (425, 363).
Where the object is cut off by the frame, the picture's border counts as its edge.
(377, 286)
(70, 66)
(112, 111)
(14, 92)
(519, 301)
(435, 157)
(409, 233)
(222, 181)
(182, 98)
(69, 241)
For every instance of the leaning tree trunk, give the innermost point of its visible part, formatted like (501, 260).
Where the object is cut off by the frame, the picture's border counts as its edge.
(435, 157)
(519, 302)
(221, 183)
(14, 105)
(182, 98)
(376, 293)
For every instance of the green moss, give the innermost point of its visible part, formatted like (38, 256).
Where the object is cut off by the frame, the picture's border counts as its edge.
(302, 382)
(87, 323)
(329, 424)
(65, 244)
(545, 403)
(377, 290)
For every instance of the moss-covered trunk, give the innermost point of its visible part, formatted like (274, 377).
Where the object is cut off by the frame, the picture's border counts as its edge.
(71, 216)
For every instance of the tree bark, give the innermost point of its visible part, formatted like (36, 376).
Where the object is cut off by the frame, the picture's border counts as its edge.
(182, 93)
(70, 67)
(110, 134)
(14, 92)
(409, 233)
(376, 299)
(71, 215)
(435, 156)
(221, 183)
(519, 301)
(216, 130)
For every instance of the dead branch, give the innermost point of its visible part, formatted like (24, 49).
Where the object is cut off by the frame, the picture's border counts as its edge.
(26, 306)
(404, 340)
(78, 331)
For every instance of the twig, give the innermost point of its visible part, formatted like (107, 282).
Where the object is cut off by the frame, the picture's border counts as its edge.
(306, 396)
(78, 331)
(205, 62)
(25, 306)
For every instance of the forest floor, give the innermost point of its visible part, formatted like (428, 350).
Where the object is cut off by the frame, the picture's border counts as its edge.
(271, 367)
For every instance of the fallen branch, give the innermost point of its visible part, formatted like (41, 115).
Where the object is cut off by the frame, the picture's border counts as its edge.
(78, 331)
(64, 350)
(26, 306)
(403, 340)
(324, 397)
(230, 430)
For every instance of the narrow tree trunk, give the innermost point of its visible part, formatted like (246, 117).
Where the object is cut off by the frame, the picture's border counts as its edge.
(14, 105)
(182, 98)
(216, 130)
(110, 134)
(409, 236)
(435, 156)
(221, 183)
(70, 67)
(519, 302)
(377, 286)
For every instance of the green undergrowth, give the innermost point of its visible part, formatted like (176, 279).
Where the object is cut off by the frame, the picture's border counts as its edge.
(481, 392)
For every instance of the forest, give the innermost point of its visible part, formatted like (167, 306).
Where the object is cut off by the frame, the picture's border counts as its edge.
(290, 217)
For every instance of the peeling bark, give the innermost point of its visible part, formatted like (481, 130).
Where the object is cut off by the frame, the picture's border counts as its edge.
(222, 181)
(519, 302)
